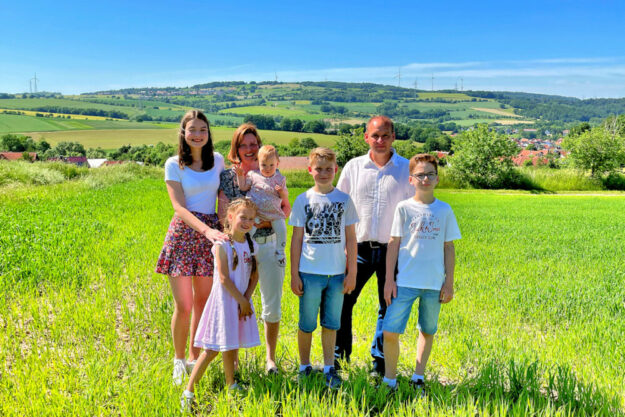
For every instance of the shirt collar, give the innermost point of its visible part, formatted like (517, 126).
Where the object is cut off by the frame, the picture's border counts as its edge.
(392, 161)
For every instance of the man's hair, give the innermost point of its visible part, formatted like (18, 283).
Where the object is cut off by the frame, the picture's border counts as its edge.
(423, 157)
(321, 153)
(268, 151)
(385, 121)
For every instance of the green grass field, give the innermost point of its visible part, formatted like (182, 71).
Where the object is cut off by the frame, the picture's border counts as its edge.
(113, 139)
(10, 123)
(536, 326)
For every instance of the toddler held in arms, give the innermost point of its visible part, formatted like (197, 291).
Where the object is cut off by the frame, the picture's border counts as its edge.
(267, 188)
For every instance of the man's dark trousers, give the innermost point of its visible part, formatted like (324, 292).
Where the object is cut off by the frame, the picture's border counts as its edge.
(371, 259)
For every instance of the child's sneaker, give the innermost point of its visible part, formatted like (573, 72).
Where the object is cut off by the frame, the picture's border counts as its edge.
(180, 371)
(189, 366)
(236, 388)
(386, 387)
(305, 373)
(280, 258)
(333, 380)
(418, 387)
(187, 403)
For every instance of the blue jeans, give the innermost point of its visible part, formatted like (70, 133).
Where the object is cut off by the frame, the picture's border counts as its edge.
(398, 313)
(321, 292)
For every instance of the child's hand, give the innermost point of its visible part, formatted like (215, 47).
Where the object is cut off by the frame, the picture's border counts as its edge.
(390, 291)
(281, 191)
(238, 171)
(245, 309)
(447, 293)
(349, 283)
(296, 284)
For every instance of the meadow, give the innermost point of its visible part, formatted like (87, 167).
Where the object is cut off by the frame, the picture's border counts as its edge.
(536, 326)
(11, 123)
(114, 138)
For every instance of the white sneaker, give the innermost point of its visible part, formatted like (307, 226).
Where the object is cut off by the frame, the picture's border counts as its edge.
(187, 403)
(180, 371)
(189, 366)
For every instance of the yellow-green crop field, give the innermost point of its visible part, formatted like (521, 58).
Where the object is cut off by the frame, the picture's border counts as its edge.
(113, 139)
(536, 326)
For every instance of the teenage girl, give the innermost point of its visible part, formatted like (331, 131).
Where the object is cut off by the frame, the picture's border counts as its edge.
(228, 322)
(192, 179)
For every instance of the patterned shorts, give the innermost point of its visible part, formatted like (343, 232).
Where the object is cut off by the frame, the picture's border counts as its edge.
(186, 252)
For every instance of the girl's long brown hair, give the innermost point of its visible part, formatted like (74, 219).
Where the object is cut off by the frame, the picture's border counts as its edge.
(184, 150)
(235, 205)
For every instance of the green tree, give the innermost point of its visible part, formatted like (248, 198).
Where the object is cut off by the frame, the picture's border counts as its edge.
(600, 150)
(407, 148)
(483, 158)
(70, 149)
(350, 146)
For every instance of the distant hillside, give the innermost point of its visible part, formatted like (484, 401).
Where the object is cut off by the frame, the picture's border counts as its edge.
(315, 107)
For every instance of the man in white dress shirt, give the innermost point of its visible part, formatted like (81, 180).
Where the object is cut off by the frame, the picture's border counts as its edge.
(376, 182)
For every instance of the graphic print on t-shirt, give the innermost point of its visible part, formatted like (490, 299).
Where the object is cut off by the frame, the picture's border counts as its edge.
(323, 222)
(425, 226)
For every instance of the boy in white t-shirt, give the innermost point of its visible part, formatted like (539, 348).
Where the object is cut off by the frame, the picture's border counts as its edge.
(323, 245)
(422, 247)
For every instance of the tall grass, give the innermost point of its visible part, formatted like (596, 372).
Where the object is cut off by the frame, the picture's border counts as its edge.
(535, 328)
(17, 173)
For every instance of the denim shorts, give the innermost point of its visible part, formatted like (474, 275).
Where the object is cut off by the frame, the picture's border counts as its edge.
(321, 292)
(398, 313)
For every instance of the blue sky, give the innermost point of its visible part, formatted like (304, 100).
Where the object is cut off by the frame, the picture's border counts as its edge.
(573, 48)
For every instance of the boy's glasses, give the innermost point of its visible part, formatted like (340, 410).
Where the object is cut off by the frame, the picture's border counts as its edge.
(430, 176)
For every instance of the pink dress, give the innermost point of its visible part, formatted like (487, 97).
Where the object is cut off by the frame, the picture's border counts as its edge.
(220, 328)
(263, 193)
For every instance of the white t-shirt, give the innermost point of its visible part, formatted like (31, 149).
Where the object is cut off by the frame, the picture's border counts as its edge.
(324, 218)
(200, 188)
(376, 192)
(423, 229)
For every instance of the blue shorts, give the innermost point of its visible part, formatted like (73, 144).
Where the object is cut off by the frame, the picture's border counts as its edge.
(398, 313)
(321, 292)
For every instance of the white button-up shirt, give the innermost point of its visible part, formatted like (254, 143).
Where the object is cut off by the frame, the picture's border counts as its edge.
(376, 192)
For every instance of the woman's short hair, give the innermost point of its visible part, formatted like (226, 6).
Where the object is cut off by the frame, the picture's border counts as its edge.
(237, 138)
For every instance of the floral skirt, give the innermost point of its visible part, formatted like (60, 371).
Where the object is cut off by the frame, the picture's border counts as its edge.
(186, 252)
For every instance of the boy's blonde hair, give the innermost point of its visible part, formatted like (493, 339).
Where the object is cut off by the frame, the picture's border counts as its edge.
(268, 151)
(235, 205)
(422, 157)
(321, 153)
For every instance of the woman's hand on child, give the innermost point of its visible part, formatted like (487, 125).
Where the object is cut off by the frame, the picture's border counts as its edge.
(447, 293)
(296, 285)
(349, 283)
(215, 235)
(390, 292)
(245, 309)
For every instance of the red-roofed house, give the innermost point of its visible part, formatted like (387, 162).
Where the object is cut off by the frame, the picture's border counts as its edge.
(109, 163)
(77, 160)
(16, 156)
(534, 156)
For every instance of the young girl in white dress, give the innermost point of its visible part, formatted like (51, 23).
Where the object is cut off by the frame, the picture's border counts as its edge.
(228, 322)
